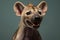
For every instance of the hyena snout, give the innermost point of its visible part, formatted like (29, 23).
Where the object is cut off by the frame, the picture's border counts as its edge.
(36, 19)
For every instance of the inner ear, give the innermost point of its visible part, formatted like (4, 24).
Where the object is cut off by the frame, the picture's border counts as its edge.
(19, 7)
(42, 5)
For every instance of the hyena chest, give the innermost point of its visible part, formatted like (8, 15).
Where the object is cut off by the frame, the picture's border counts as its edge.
(31, 34)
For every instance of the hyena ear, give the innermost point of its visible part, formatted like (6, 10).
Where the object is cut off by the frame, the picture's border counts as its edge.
(18, 8)
(43, 6)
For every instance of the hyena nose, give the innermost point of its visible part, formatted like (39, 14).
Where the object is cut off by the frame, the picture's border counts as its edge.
(37, 18)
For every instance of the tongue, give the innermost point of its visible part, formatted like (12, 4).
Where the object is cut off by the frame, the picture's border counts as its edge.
(36, 23)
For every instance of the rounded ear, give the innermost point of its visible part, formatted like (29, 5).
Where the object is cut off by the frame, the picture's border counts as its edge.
(43, 6)
(18, 8)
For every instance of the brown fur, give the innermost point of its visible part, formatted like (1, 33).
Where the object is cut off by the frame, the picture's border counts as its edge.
(19, 34)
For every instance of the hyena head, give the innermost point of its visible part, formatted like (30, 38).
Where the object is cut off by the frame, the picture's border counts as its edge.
(31, 16)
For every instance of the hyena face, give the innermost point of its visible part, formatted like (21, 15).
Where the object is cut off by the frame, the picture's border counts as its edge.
(31, 15)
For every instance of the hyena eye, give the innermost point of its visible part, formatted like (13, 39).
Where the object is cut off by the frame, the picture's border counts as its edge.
(39, 12)
(28, 13)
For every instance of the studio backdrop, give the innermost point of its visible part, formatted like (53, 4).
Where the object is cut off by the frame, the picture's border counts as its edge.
(49, 28)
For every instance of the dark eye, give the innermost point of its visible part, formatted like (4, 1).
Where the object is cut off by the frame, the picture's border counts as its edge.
(39, 12)
(28, 13)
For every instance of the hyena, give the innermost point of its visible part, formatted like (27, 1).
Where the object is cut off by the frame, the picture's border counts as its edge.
(31, 17)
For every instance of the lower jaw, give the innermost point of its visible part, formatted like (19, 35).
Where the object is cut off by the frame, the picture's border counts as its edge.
(36, 25)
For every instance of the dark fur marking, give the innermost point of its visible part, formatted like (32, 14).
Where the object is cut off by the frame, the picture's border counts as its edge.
(31, 34)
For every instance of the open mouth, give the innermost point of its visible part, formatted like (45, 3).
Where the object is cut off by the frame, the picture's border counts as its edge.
(35, 24)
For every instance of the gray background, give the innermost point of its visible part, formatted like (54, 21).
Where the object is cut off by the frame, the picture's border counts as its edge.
(50, 26)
